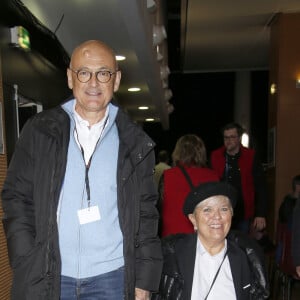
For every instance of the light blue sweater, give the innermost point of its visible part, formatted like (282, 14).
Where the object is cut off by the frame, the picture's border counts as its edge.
(94, 248)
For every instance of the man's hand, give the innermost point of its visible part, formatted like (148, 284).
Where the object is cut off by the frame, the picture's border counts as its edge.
(259, 223)
(141, 294)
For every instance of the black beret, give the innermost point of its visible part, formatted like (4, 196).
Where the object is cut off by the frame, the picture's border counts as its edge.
(206, 190)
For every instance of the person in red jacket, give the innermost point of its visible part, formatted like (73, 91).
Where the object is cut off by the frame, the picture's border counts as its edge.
(190, 153)
(240, 167)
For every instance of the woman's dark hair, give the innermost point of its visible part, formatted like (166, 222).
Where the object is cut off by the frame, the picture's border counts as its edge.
(190, 151)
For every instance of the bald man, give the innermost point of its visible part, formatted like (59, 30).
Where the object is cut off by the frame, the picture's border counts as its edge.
(79, 197)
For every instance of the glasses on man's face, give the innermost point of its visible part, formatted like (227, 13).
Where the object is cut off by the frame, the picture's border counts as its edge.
(230, 137)
(84, 76)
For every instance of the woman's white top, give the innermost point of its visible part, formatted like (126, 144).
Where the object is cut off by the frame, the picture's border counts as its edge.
(206, 266)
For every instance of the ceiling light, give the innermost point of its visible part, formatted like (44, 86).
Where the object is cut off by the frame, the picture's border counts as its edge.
(159, 34)
(120, 57)
(151, 5)
(149, 120)
(134, 89)
(245, 140)
(273, 89)
(143, 107)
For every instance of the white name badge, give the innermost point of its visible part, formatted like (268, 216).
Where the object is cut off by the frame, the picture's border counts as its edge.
(88, 215)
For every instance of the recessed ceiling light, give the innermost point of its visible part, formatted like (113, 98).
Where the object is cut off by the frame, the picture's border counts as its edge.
(149, 120)
(134, 89)
(143, 107)
(120, 57)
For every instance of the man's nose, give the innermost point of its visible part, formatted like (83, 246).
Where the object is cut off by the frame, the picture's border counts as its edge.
(94, 81)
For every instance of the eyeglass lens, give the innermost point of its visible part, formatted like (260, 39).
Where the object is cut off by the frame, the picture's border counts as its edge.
(102, 76)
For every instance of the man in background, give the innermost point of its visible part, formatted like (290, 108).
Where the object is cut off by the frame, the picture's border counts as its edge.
(240, 167)
(79, 197)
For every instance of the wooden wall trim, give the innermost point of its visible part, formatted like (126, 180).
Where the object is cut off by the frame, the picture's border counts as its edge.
(5, 271)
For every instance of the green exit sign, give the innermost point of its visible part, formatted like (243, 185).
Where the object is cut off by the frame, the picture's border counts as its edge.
(20, 37)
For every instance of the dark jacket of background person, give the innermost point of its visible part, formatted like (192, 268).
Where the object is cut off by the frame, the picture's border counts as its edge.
(296, 235)
(179, 259)
(175, 190)
(286, 209)
(285, 213)
(252, 181)
(30, 198)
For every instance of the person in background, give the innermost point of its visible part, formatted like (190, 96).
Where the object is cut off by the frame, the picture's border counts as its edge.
(241, 167)
(285, 213)
(190, 154)
(286, 235)
(296, 227)
(79, 198)
(212, 263)
(163, 164)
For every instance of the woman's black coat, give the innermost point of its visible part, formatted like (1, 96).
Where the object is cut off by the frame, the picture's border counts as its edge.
(245, 258)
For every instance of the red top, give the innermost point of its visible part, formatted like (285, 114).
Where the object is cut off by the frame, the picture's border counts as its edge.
(246, 170)
(176, 188)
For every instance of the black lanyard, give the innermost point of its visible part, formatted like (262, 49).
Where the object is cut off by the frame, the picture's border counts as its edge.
(216, 275)
(88, 164)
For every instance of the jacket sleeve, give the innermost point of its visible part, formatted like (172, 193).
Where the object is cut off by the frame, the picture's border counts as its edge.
(148, 248)
(260, 187)
(17, 200)
(160, 202)
(256, 262)
(171, 284)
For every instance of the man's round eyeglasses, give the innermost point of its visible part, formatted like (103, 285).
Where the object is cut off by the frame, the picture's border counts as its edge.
(85, 75)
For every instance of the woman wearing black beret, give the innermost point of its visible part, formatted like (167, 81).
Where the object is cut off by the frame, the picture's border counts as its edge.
(213, 263)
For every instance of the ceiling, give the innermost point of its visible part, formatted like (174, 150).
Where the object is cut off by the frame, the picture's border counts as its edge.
(202, 36)
(126, 26)
(222, 35)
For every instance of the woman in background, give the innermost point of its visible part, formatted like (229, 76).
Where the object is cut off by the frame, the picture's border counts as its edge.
(189, 154)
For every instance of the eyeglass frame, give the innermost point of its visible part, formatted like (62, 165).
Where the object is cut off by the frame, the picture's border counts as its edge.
(92, 73)
(230, 137)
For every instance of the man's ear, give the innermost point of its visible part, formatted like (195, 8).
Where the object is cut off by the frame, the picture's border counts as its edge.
(70, 79)
(117, 81)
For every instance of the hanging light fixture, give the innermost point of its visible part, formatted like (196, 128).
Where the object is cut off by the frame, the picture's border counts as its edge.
(168, 94)
(151, 6)
(165, 83)
(164, 72)
(159, 34)
(170, 108)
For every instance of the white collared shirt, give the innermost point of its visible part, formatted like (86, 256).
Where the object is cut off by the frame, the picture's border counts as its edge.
(87, 136)
(206, 266)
